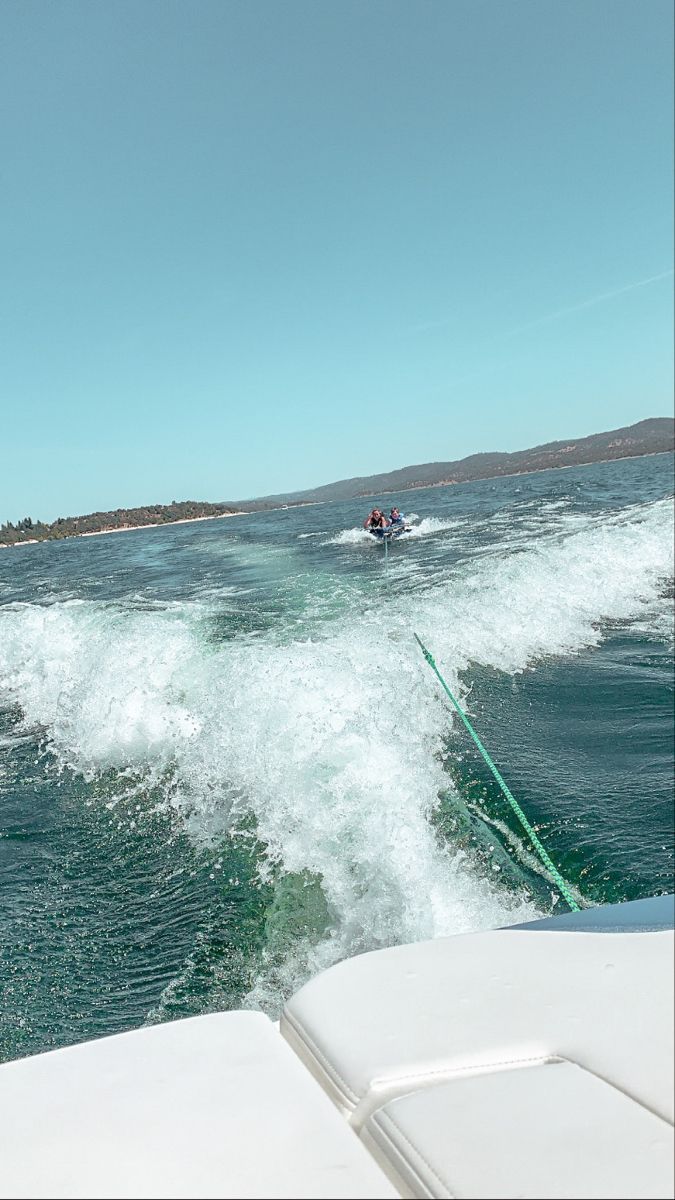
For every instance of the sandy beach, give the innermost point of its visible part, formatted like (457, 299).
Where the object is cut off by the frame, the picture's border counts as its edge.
(121, 529)
(155, 525)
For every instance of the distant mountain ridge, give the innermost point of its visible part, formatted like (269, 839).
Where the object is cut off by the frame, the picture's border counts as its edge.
(654, 435)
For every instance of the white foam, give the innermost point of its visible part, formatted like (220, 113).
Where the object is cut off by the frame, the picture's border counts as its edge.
(331, 740)
(351, 537)
(428, 525)
(103, 682)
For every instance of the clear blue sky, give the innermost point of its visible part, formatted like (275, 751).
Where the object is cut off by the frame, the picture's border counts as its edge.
(251, 246)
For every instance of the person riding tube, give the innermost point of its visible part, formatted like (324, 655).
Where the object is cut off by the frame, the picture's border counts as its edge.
(375, 521)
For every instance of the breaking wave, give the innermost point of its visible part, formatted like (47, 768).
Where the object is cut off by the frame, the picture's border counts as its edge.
(330, 742)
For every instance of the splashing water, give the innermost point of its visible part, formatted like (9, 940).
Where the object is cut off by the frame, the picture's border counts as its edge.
(315, 733)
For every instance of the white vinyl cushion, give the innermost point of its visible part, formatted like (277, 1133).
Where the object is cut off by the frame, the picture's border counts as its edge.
(213, 1106)
(537, 1133)
(385, 1023)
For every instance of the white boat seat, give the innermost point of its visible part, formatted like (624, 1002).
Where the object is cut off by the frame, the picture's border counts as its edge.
(383, 1024)
(537, 1133)
(212, 1106)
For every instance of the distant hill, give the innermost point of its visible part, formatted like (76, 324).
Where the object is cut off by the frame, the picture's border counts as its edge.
(653, 436)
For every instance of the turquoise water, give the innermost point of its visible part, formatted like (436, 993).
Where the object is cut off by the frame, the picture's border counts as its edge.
(224, 763)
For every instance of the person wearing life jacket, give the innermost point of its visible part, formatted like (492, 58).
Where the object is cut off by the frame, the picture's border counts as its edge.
(375, 520)
(396, 518)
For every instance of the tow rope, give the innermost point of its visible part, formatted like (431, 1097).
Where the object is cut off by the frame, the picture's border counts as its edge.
(546, 860)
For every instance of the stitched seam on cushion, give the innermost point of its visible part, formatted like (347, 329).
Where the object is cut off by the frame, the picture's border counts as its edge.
(393, 1080)
(397, 1169)
(331, 1072)
(470, 1068)
(416, 1153)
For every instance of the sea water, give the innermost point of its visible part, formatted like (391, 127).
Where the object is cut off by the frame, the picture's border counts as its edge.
(225, 764)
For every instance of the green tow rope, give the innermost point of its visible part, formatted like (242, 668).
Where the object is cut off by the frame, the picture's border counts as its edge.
(560, 882)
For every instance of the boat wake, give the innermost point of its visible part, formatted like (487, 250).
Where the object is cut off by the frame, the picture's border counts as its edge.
(294, 740)
(419, 529)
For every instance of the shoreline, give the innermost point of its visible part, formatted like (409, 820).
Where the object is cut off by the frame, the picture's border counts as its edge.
(415, 487)
(122, 529)
(150, 525)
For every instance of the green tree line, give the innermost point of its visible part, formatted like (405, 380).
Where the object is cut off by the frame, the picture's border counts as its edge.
(28, 530)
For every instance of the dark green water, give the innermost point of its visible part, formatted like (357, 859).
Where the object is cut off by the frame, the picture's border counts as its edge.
(224, 763)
